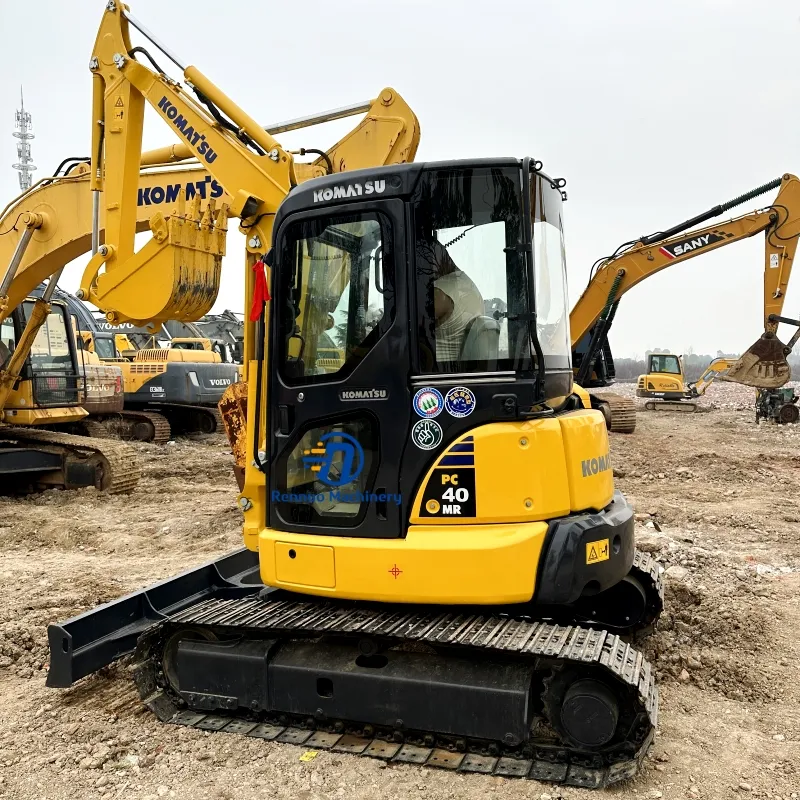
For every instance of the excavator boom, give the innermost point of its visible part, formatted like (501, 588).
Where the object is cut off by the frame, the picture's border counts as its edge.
(764, 364)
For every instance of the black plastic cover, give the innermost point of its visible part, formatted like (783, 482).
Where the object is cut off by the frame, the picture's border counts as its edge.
(564, 574)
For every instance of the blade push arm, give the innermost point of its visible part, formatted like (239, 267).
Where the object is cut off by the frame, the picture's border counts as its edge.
(780, 222)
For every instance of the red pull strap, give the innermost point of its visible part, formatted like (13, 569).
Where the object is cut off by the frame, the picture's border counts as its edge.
(261, 293)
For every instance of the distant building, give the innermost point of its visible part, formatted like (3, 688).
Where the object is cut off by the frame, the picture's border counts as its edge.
(24, 132)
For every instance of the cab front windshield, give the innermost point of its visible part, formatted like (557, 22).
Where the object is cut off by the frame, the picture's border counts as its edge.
(104, 348)
(471, 276)
(474, 298)
(664, 363)
(51, 351)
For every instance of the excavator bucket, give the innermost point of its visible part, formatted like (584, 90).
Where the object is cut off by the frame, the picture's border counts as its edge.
(763, 365)
(175, 276)
(233, 410)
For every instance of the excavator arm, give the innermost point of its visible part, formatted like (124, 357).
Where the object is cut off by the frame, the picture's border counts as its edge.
(716, 370)
(780, 222)
(51, 224)
(176, 275)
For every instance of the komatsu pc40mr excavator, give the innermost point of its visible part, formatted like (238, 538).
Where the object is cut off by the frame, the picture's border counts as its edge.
(763, 365)
(437, 567)
(56, 222)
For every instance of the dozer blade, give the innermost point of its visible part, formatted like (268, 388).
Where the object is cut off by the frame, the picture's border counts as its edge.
(763, 365)
(96, 638)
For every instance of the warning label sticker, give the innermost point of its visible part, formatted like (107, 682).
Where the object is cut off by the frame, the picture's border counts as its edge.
(597, 551)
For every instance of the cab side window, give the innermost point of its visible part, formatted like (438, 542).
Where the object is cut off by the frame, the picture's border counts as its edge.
(337, 297)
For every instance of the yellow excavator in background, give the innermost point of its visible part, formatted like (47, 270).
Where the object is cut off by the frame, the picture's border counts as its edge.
(764, 365)
(52, 224)
(437, 567)
(665, 385)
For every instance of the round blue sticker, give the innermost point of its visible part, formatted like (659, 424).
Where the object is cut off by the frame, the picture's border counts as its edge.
(428, 402)
(459, 402)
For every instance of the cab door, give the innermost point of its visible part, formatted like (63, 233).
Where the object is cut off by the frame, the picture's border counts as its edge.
(339, 406)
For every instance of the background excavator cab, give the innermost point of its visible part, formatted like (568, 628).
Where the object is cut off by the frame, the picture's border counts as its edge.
(664, 379)
(50, 377)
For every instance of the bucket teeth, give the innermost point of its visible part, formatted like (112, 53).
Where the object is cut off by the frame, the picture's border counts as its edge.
(763, 365)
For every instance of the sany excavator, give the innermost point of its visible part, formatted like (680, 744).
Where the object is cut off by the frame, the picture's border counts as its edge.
(437, 567)
(764, 365)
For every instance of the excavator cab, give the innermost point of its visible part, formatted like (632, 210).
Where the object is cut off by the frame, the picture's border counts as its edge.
(403, 260)
(50, 378)
(664, 378)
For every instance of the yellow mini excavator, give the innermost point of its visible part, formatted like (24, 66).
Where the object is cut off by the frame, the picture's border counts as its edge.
(437, 567)
(665, 383)
(764, 365)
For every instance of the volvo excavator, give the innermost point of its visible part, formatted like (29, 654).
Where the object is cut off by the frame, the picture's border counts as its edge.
(437, 567)
(763, 365)
(167, 390)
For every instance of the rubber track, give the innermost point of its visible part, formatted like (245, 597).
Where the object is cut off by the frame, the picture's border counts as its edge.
(623, 411)
(122, 461)
(159, 422)
(651, 576)
(555, 644)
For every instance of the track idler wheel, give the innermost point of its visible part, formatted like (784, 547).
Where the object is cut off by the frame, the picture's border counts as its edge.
(589, 714)
(583, 710)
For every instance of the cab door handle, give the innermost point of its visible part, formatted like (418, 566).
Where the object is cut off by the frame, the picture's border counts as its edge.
(285, 419)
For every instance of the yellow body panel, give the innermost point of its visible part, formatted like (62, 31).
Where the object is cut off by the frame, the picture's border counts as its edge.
(298, 564)
(433, 564)
(586, 451)
(546, 470)
(560, 464)
(15, 414)
(658, 382)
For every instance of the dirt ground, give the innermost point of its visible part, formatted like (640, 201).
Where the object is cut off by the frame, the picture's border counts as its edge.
(716, 500)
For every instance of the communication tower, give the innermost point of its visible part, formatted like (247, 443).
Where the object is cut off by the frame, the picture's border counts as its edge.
(24, 132)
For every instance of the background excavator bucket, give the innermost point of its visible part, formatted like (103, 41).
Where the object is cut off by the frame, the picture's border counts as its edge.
(763, 365)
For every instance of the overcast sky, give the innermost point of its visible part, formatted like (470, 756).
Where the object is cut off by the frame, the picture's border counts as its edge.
(653, 112)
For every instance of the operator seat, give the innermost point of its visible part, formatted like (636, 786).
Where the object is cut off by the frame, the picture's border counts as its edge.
(481, 340)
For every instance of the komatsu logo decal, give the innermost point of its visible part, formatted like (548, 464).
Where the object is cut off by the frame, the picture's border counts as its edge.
(686, 246)
(155, 195)
(197, 140)
(363, 394)
(349, 190)
(591, 466)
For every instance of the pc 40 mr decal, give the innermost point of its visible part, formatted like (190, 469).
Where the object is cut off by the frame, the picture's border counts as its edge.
(450, 490)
